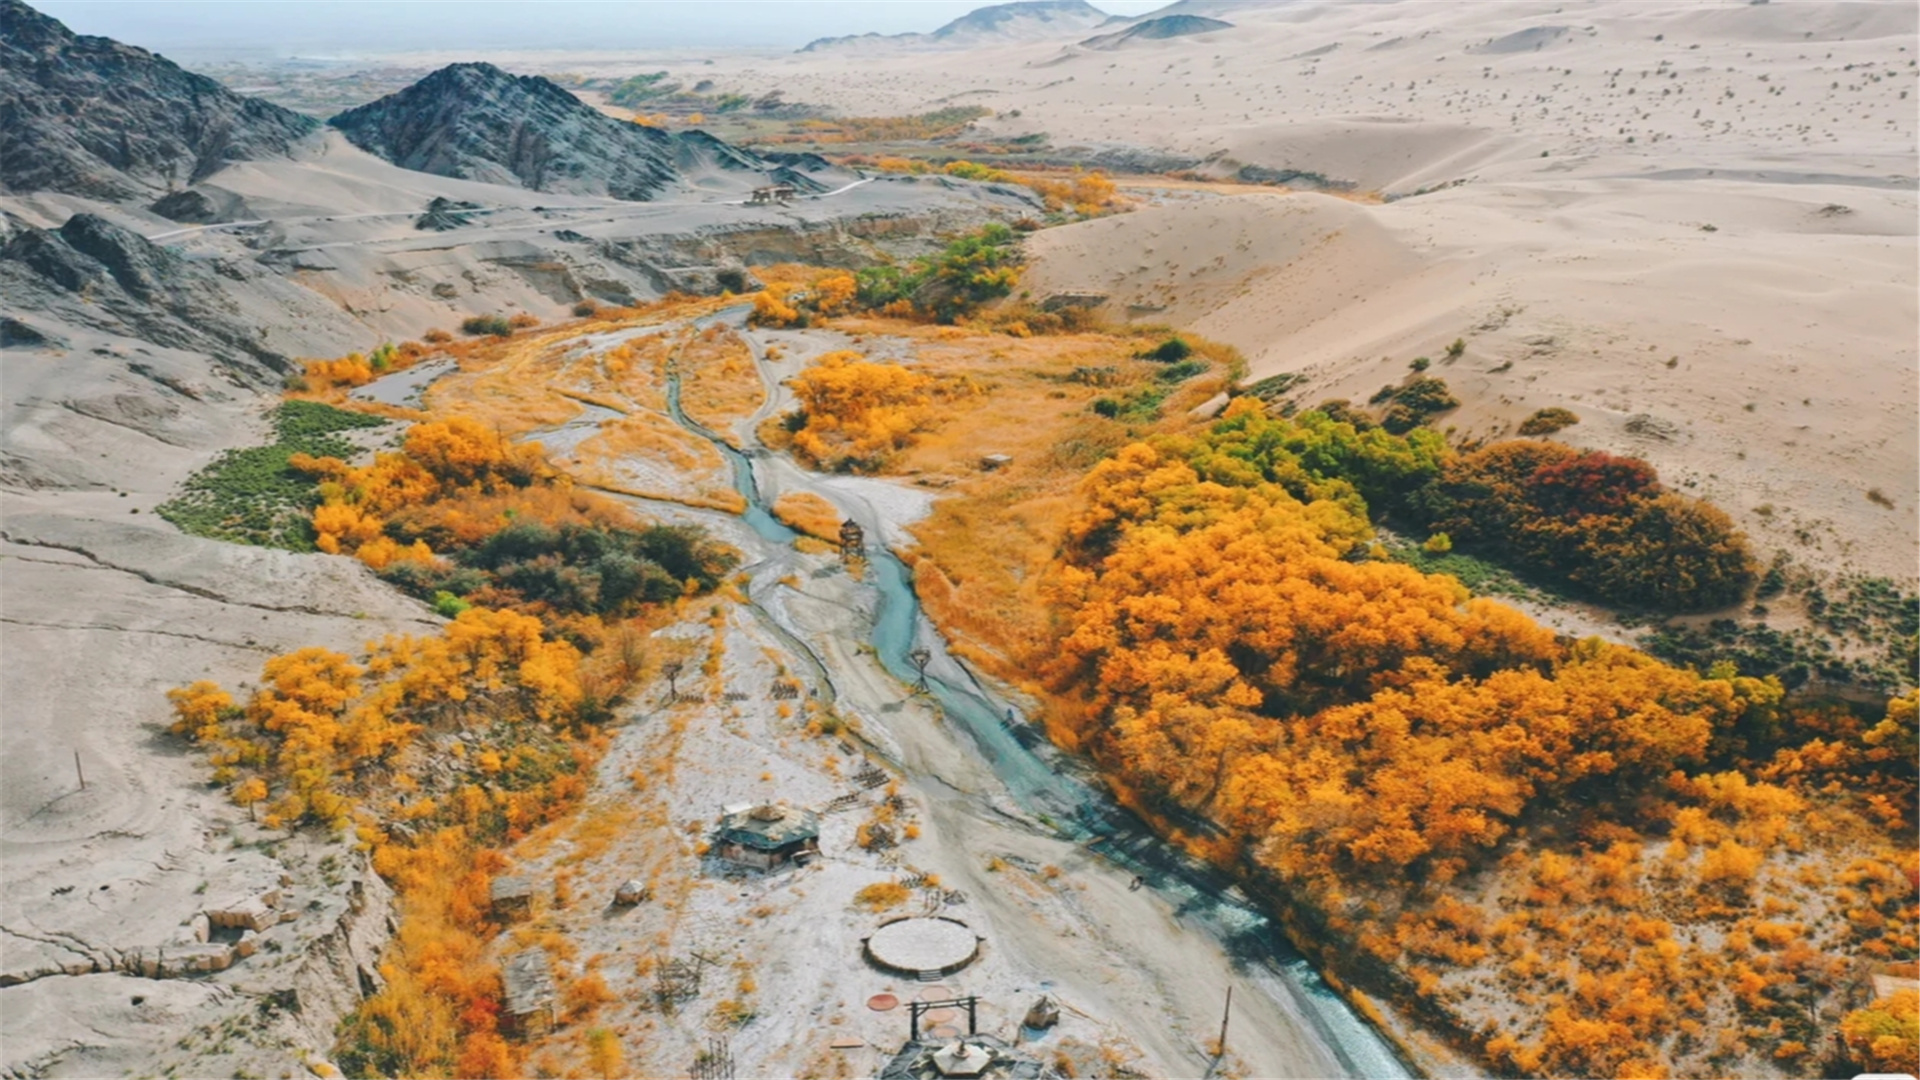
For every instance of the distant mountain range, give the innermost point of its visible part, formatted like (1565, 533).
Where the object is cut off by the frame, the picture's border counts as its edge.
(1024, 20)
(1042, 20)
(90, 116)
(1166, 26)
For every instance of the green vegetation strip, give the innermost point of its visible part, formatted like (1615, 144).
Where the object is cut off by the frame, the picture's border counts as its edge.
(252, 495)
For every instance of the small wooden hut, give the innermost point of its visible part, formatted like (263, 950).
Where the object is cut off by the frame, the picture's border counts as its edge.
(768, 836)
(853, 539)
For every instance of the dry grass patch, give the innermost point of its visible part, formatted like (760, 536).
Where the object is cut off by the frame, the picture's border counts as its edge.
(810, 514)
(882, 895)
(719, 383)
(637, 369)
(536, 383)
(513, 390)
(597, 828)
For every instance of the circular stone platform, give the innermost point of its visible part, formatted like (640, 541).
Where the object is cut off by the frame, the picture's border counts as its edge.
(915, 946)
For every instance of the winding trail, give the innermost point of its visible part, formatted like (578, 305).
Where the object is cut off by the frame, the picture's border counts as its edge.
(571, 215)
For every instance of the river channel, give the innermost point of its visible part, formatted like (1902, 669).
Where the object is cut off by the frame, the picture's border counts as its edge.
(1048, 786)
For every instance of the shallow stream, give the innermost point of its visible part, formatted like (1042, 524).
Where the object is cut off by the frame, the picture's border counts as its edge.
(1047, 785)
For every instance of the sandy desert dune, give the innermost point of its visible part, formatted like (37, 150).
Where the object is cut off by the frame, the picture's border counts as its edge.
(1582, 192)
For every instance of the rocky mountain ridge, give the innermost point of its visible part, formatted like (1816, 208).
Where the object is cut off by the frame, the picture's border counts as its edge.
(89, 116)
(477, 122)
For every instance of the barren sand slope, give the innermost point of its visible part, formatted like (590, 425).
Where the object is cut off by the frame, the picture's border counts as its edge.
(1766, 364)
(105, 611)
(1600, 189)
(1393, 96)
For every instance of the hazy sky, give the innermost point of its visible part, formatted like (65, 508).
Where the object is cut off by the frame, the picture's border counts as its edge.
(332, 27)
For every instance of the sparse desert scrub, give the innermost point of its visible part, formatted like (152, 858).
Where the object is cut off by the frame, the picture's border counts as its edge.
(1415, 402)
(882, 895)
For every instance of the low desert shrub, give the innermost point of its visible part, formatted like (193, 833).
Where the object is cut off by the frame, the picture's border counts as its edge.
(1171, 351)
(479, 325)
(881, 895)
(1599, 522)
(1547, 421)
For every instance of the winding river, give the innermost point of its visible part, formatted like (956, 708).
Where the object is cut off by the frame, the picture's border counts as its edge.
(1046, 784)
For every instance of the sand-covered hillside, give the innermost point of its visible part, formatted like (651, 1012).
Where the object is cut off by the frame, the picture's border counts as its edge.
(1692, 224)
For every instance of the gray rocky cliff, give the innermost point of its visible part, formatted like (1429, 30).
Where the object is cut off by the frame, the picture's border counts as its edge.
(89, 116)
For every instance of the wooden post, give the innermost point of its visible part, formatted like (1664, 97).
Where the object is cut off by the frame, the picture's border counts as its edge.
(79, 771)
(1224, 1017)
(920, 658)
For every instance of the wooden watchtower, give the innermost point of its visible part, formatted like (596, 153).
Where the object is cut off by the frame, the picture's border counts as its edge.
(853, 540)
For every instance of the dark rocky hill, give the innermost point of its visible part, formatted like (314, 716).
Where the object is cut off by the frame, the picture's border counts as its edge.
(1166, 26)
(477, 122)
(89, 116)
